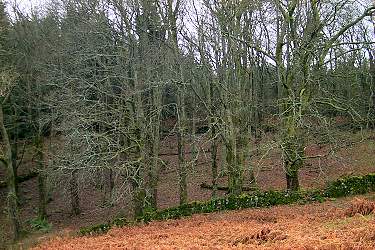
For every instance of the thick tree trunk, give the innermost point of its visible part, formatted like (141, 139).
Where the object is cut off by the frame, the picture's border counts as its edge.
(292, 180)
(235, 175)
(293, 148)
(12, 199)
(139, 194)
(235, 170)
(74, 194)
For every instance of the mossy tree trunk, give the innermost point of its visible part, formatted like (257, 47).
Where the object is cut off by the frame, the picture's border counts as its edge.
(293, 59)
(6, 159)
(235, 173)
(293, 152)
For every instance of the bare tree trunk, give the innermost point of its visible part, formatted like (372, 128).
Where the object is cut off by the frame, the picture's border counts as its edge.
(155, 148)
(15, 153)
(108, 185)
(371, 110)
(214, 167)
(172, 14)
(42, 208)
(293, 148)
(194, 149)
(181, 145)
(235, 172)
(214, 141)
(292, 178)
(12, 200)
(139, 193)
(372, 70)
(74, 194)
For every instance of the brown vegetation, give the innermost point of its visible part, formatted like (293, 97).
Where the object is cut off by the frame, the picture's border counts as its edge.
(360, 206)
(314, 226)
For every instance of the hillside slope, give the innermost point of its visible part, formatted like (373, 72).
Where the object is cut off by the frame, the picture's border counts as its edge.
(312, 226)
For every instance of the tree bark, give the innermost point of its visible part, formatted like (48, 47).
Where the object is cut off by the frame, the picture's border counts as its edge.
(42, 208)
(180, 109)
(181, 145)
(214, 168)
(12, 199)
(139, 192)
(15, 152)
(155, 148)
(372, 70)
(292, 180)
(74, 194)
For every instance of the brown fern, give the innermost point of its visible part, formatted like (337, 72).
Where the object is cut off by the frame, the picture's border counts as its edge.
(360, 206)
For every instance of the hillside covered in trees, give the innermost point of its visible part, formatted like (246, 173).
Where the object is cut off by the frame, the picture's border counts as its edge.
(119, 108)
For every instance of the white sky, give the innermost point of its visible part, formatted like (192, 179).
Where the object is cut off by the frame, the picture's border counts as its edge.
(25, 5)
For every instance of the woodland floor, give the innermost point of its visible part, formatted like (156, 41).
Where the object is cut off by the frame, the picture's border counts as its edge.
(353, 154)
(312, 226)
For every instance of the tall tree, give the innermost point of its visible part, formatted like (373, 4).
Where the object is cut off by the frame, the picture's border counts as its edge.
(8, 80)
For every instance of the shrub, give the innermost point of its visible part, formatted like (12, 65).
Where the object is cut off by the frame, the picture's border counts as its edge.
(343, 187)
(360, 206)
(352, 185)
(39, 224)
(96, 229)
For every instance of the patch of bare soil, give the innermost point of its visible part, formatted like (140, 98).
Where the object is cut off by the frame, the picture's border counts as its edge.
(313, 226)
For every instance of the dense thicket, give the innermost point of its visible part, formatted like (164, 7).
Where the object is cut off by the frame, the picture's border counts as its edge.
(109, 80)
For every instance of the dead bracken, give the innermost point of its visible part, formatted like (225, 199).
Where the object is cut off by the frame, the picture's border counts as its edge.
(313, 226)
(360, 206)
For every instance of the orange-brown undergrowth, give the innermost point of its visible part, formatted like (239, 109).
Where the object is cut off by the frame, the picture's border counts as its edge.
(360, 206)
(313, 226)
